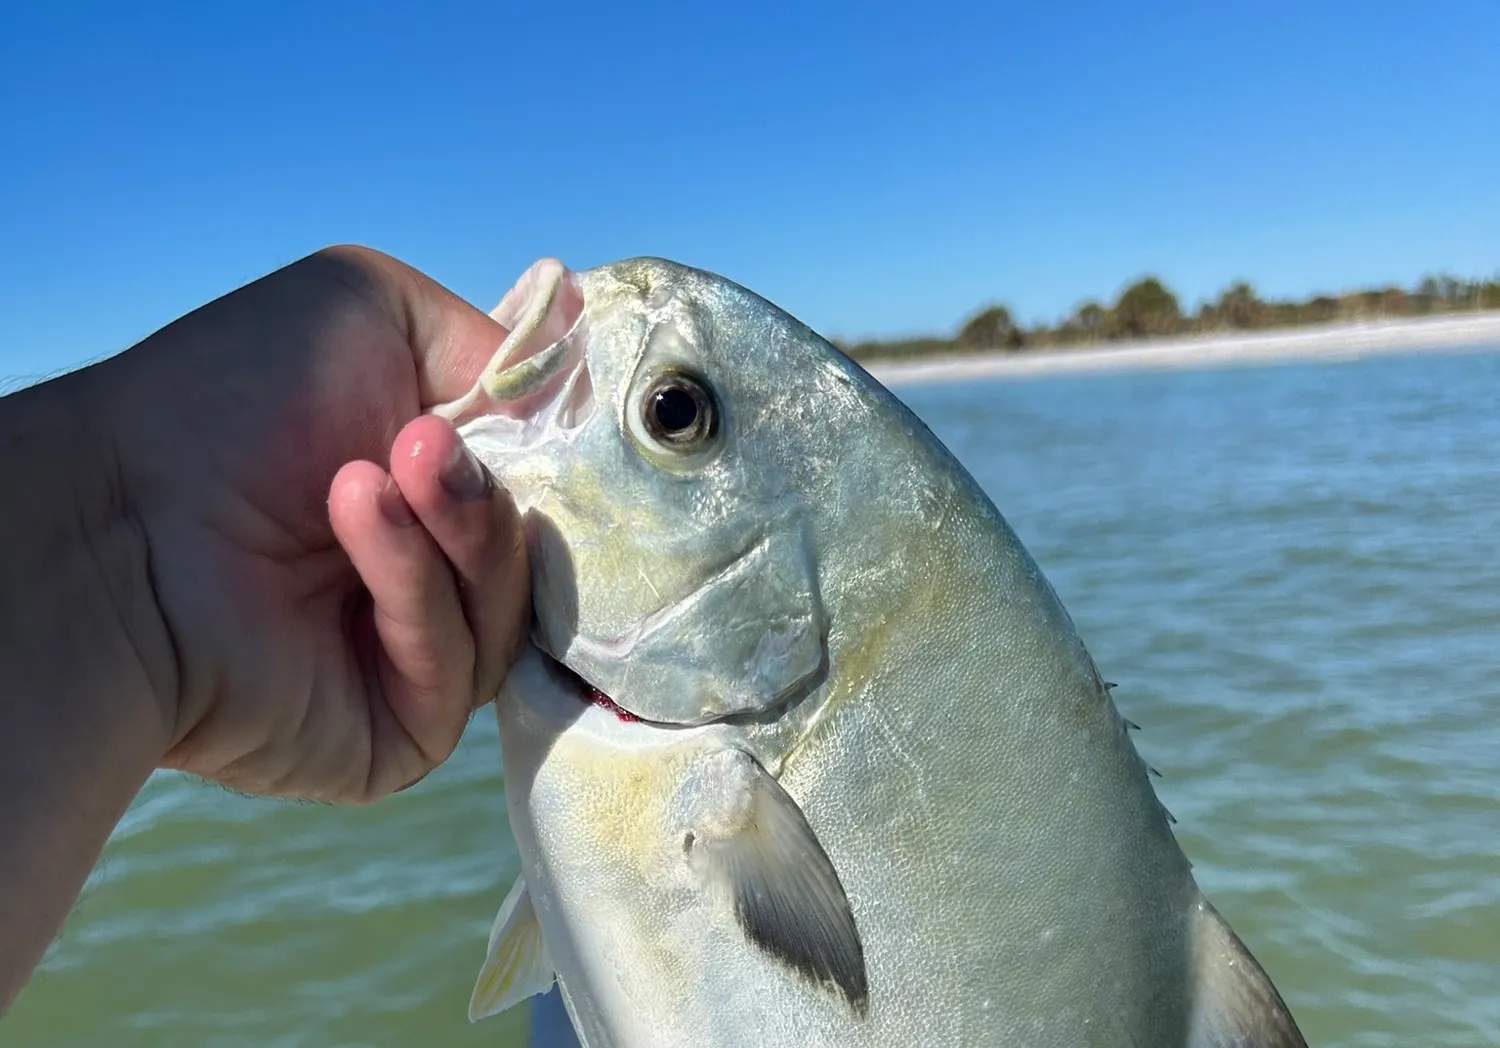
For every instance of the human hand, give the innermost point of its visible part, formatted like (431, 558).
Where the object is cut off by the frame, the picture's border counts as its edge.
(318, 625)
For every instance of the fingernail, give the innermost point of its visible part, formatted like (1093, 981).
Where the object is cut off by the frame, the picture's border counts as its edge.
(394, 507)
(463, 478)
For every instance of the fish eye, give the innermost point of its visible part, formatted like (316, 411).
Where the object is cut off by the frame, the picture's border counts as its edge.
(679, 412)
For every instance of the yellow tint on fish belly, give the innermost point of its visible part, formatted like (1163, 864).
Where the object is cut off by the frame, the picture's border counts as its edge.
(622, 800)
(620, 811)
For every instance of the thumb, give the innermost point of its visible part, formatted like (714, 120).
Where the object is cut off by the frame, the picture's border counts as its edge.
(450, 340)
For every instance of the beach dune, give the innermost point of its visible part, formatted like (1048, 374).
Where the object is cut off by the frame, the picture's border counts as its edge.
(1346, 341)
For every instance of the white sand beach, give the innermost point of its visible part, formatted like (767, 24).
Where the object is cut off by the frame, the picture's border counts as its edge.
(1332, 342)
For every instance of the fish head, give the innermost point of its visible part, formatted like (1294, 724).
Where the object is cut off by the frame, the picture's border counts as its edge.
(651, 422)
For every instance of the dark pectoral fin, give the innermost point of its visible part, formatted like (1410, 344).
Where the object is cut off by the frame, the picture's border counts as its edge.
(786, 895)
(1235, 1005)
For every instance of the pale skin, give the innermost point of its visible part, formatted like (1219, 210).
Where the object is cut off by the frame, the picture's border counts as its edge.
(242, 550)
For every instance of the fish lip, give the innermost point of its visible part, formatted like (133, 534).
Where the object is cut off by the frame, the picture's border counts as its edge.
(557, 395)
(561, 402)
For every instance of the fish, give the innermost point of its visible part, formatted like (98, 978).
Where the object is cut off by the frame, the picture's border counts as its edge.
(804, 749)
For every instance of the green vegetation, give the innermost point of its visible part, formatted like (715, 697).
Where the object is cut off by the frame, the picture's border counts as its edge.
(1147, 308)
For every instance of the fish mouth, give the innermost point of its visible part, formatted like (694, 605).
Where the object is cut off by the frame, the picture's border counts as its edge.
(537, 383)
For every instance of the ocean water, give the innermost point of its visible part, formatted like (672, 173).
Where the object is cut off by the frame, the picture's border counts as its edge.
(1293, 573)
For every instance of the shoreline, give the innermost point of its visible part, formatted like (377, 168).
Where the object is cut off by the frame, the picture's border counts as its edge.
(1329, 342)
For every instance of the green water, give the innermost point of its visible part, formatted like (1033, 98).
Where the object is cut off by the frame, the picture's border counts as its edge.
(1294, 574)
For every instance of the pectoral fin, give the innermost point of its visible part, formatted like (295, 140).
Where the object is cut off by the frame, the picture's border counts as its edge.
(516, 965)
(752, 843)
(1235, 1005)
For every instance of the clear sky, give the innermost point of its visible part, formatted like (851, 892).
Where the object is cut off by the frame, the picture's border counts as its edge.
(876, 169)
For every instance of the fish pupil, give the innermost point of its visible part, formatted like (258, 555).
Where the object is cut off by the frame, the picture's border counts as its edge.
(675, 409)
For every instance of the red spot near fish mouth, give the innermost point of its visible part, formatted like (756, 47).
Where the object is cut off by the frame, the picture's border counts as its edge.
(592, 695)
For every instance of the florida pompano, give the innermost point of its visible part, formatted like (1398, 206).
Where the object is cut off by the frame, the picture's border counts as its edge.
(805, 750)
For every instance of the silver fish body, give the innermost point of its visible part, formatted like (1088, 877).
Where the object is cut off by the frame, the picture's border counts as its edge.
(807, 751)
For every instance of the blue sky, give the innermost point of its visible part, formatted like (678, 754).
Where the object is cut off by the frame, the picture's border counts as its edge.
(876, 169)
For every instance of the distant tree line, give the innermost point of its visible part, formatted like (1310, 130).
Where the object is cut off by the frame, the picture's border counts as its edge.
(1147, 308)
